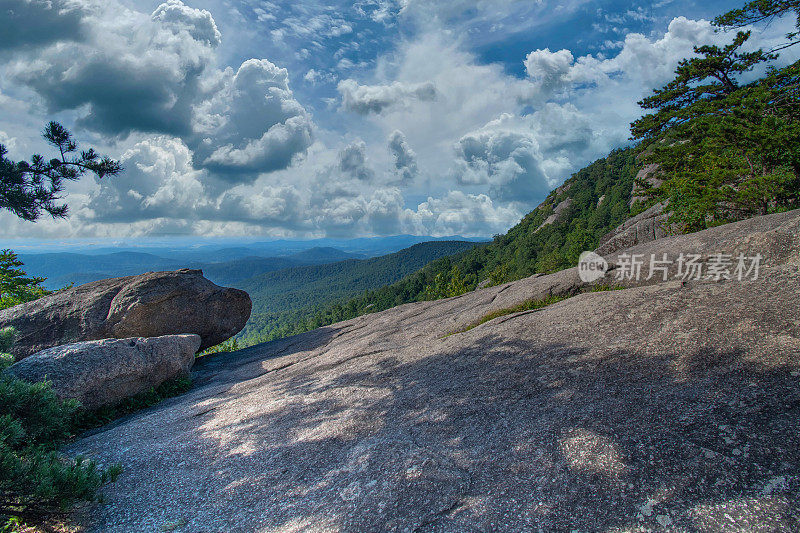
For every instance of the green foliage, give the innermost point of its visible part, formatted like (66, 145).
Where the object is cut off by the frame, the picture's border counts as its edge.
(445, 285)
(528, 305)
(100, 417)
(605, 287)
(757, 11)
(28, 188)
(724, 152)
(230, 345)
(299, 299)
(15, 287)
(699, 82)
(35, 480)
(7, 337)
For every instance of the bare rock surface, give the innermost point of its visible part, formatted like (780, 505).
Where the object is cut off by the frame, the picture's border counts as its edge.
(648, 173)
(668, 406)
(147, 305)
(557, 211)
(103, 373)
(649, 225)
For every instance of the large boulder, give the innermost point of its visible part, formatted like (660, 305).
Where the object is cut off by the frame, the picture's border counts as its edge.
(147, 305)
(102, 373)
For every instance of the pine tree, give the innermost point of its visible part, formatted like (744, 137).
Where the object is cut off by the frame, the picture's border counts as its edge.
(29, 188)
(725, 151)
(758, 11)
(15, 286)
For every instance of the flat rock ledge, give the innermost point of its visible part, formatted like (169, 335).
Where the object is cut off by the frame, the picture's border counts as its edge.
(103, 373)
(667, 407)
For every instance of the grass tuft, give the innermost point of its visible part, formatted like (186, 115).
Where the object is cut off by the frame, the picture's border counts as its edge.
(531, 305)
(528, 305)
(100, 417)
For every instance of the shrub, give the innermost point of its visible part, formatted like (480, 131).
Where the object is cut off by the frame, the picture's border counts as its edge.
(7, 336)
(15, 286)
(36, 481)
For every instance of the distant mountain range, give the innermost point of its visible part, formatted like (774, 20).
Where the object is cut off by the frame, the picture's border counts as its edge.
(223, 261)
(63, 268)
(217, 250)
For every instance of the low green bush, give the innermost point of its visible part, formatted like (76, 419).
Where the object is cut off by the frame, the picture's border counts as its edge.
(7, 336)
(35, 480)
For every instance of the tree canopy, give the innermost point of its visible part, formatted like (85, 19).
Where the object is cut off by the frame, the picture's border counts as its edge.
(15, 286)
(724, 150)
(28, 188)
(759, 11)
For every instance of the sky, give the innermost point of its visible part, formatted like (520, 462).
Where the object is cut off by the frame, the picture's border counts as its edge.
(307, 119)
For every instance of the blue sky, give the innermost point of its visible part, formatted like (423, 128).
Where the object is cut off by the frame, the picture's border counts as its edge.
(308, 119)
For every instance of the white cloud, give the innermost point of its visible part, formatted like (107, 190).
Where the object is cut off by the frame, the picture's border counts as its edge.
(457, 213)
(522, 158)
(642, 64)
(252, 122)
(314, 76)
(199, 24)
(549, 70)
(365, 99)
(159, 182)
(403, 157)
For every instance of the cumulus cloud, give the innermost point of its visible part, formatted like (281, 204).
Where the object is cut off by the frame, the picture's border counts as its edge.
(353, 161)
(140, 74)
(404, 159)
(372, 212)
(366, 99)
(252, 123)
(157, 74)
(640, 65)
(522, 158)
(281, 206)
(549, 70)
(29, 24)
(159, 182)
(198, 23)
(458, 213)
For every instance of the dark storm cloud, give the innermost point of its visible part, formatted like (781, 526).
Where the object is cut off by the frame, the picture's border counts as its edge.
(28, 24)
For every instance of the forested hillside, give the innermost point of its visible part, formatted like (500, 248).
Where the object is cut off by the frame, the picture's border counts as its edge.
(283, 301)
(572, 219)
(62, 269)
